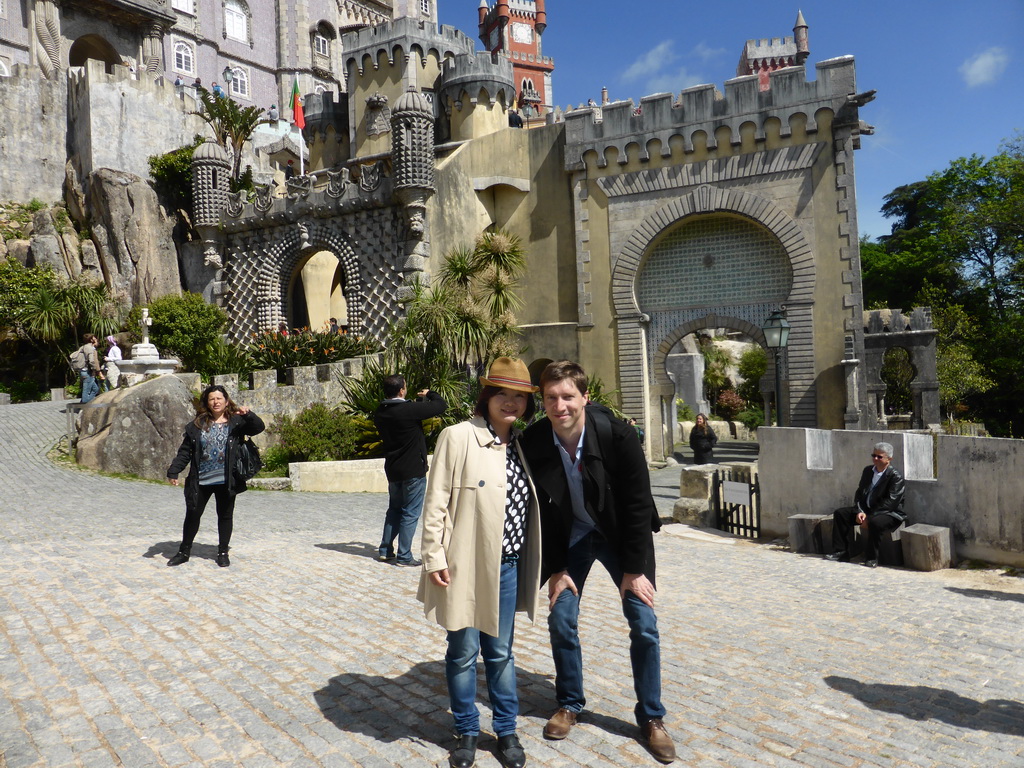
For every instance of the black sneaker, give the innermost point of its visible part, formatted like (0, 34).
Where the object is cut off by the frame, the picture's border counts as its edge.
(386, 558)
(838, 557)
(409, 563)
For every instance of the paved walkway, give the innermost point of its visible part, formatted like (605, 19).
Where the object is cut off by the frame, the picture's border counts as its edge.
(307, 652)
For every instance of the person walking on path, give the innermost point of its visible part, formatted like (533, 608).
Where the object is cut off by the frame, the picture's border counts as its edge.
(208, 449)
(111, 359)
(702, 441)
(87, 362)
(482, 555)
(596, 504)
(400, 425)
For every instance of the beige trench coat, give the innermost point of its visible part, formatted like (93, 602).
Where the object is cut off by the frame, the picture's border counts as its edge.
(463, 524)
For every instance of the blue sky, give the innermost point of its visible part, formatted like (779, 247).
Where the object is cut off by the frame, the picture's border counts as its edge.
(943, 70)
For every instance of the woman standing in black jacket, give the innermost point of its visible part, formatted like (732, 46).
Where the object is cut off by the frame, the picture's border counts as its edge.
(209, 447)
(702, 441)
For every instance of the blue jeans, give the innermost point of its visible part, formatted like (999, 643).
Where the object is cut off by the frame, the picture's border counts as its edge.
(563, 626)
(89, 386)
(499, 666)
(405, 503)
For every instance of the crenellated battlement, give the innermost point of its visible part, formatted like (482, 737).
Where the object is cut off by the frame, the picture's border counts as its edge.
(406, 37)
(704, 110)
(473, 73)
(894, 321)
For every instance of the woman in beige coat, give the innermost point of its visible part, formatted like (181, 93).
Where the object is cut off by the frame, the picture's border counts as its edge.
(481, 555)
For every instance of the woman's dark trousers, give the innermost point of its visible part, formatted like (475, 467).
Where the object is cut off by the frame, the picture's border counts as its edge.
(225, 516)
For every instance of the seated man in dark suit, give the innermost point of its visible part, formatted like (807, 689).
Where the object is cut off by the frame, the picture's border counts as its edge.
(877, 507)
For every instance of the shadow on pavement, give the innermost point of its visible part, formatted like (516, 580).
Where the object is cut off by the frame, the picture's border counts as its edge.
(169, 549)
(921, 702)
(358, 548)
(991, 594)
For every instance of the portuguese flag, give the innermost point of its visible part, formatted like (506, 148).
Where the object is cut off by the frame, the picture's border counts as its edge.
(297, 117)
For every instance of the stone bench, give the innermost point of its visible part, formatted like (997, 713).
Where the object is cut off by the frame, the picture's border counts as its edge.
(890, 550)
(927, 547)
(810, 534)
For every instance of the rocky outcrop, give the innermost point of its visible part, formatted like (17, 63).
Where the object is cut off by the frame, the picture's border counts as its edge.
(136, 430)
(132, 234)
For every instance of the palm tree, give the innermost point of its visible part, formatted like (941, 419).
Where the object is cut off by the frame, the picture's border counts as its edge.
(232, 125)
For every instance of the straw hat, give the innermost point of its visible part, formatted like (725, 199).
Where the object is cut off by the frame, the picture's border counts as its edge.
(509, 373)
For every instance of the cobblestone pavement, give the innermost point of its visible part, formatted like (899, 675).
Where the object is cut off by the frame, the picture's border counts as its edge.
(307, 652)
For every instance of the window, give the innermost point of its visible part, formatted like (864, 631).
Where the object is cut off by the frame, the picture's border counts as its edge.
(425, 7)
(236, 21)
(4, 71)
(321, 44)
(239, 82)
(185, 6)
(184, 58)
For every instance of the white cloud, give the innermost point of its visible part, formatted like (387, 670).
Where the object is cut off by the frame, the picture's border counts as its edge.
(673, 82)
(651, 62)
(704, 53)
(985, 68)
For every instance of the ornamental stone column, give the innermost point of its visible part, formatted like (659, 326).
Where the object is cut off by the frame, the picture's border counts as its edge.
(412, 157)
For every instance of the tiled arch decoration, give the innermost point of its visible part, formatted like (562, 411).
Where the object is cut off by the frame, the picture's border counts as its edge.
(272, 271)
(636, 372)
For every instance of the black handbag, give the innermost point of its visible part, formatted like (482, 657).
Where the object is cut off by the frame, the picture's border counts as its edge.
(247, 459)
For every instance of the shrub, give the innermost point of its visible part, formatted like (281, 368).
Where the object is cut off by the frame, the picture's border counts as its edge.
(23, 391)
(751, 417)
(184, 326)
(273, 351)
(752, 366)
(275, 460)
(729, 404)
(683, 411)
(319, 433)
(172, 175)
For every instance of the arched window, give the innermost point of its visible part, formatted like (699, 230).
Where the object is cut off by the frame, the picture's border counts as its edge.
(239, 82)
(321, 38)
(184, 58)
(236, 20)
(321, 44)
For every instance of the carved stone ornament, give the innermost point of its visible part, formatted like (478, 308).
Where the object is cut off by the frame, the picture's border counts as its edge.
(211, 256)
(337, 181)
(299, 186)
(264, 198)
(370, 176)
(235, 204)
(378, 115)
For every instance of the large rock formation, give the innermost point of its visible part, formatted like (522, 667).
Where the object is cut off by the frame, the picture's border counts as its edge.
(136, 430)
(132, 234)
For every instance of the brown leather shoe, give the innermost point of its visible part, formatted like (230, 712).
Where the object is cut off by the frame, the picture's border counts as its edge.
(658, 742)
(560, 724)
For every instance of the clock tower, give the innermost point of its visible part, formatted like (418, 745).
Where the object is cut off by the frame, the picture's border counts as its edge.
(513, 28)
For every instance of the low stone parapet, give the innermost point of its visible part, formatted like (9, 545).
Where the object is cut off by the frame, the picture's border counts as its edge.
(356, 476)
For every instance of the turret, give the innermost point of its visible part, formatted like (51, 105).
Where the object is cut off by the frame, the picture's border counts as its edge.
(210, 172)
(412, 158)
(542, 18)
(803, 49)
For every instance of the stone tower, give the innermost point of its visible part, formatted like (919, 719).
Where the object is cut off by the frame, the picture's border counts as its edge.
(514, 30)
(761, 57)
(210, 171)
(412, 157)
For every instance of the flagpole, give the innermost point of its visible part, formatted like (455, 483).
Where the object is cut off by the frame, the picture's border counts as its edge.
(302, 154)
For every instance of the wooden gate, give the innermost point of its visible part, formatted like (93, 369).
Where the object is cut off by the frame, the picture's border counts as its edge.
(736, 501)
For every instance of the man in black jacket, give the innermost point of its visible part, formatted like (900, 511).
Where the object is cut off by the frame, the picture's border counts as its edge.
(399, 422)
(595, 499)
(877, 507)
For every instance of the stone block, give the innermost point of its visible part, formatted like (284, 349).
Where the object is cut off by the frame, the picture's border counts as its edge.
(5, 398)
(58, 394)
(810, 534)
(927, 547)
(263, 380)
(890, 550)
(358, 476)
(692, 512)
(696, 482)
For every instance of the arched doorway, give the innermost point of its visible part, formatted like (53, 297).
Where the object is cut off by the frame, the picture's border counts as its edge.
(94, 47)
(717, 270)
(317, 293)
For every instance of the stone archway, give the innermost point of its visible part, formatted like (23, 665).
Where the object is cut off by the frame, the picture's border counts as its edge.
(644, 382)
(94, 47)
(316, 292)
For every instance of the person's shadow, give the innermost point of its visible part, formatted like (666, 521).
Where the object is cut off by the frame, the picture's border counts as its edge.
(990, 594)
(357, 548)
(168, 549)
(922, 702)
(414, 705)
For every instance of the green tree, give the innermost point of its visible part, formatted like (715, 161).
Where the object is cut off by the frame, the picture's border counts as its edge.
(716, 366)
(232, 126)
(172, 177)
(184, 326)
(752, 366)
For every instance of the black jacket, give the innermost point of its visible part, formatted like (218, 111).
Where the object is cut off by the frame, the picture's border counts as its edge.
(401, 432)
(703, 443)
(191, 448)
(616, 491)
(888, 494)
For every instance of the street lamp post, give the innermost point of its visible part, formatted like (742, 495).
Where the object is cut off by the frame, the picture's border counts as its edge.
(228, 75)
(776, 338)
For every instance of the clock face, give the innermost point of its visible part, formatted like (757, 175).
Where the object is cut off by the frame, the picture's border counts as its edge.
(522, 33)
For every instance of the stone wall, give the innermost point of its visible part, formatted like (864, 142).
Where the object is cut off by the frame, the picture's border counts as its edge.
(118, 122)
(972, 485)
(32, 141)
